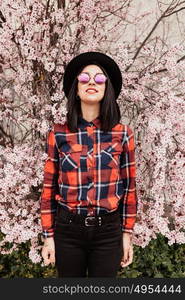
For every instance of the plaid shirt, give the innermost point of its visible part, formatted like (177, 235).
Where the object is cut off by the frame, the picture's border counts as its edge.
(89, 172)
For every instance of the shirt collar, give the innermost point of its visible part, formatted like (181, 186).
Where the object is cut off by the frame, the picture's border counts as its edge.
(82, 123)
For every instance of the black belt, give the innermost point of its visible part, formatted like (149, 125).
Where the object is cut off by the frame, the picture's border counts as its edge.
(63, 214)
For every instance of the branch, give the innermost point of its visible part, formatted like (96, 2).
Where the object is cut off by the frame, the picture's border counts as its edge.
(47, 8)
(164, 70)
(148, 36)
(126, 4)
(4, 134)
(176, 11)
(143, 43)
(61, 3)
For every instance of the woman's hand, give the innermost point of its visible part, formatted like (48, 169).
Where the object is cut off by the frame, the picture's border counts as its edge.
(48, 251)
(127, 250)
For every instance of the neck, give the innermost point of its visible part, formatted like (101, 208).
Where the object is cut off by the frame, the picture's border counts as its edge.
(90, 112)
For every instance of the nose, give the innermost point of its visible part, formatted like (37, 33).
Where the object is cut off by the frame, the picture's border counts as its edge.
(91, 81)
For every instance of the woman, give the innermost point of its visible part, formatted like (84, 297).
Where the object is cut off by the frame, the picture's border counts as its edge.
(89, 202)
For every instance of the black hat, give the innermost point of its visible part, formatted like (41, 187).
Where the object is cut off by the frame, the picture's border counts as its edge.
(86, 58)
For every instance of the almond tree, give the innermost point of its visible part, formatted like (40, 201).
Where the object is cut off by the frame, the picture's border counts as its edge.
(38, 38)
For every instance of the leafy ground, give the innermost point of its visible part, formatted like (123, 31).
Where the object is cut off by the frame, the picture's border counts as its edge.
(157, 260)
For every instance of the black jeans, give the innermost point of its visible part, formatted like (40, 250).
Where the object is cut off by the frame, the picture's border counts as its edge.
(87, 251)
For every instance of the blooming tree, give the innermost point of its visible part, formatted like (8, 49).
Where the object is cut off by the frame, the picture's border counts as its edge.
(38, 38)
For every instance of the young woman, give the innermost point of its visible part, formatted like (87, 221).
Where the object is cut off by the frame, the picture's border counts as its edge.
(88, 201)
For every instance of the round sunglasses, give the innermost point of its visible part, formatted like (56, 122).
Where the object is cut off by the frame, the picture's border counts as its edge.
(99, 78)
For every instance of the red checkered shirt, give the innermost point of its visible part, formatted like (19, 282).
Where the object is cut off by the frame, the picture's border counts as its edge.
(90, 172)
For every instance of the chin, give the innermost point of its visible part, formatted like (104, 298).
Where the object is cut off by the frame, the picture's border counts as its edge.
(91, 99)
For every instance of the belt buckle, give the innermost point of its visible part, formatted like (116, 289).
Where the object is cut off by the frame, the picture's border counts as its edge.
(86, 221)
(92, 218)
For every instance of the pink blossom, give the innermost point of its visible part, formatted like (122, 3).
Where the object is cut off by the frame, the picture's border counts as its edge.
(35, 47)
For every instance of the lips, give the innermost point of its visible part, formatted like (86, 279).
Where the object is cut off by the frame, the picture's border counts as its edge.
(91, 90)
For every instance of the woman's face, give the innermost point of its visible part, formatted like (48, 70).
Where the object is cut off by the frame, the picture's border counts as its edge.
(91, 92)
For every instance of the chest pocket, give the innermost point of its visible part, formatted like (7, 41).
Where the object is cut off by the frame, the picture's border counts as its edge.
(110, 154)
(70, 154)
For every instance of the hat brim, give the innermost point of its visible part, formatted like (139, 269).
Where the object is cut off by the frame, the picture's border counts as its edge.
(86, 58)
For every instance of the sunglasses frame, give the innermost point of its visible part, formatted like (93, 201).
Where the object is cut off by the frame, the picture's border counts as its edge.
(91, 77)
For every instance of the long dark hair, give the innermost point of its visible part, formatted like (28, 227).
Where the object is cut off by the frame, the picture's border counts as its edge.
(109, 109)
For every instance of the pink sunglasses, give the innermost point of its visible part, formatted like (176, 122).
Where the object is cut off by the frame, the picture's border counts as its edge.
(99, 78)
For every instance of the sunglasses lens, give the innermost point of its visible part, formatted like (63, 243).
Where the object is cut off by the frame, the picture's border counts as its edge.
(100, 78)
(83, 78)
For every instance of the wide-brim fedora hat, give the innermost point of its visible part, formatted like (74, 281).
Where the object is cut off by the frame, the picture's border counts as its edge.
(86, 58)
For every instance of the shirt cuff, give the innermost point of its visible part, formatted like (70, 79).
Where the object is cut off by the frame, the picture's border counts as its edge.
(47, 234)
(123, 229)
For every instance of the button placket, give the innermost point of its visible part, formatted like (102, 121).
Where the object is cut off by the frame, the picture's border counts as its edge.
(90, 162)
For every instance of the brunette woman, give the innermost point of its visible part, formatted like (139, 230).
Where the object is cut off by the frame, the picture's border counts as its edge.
(88, 201)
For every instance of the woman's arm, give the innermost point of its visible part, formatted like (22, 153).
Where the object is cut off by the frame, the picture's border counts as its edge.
(48, 203)
(128, 205)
